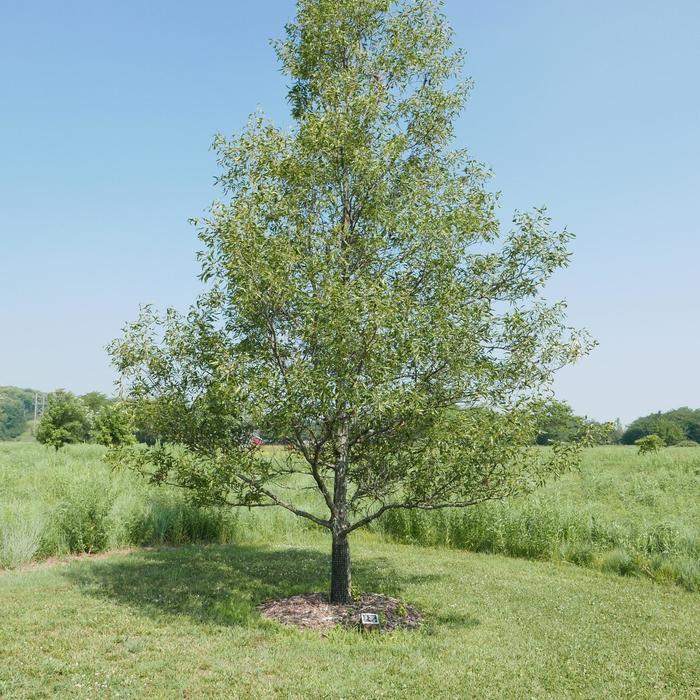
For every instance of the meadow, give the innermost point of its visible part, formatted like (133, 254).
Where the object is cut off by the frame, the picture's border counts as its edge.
(621, 513)
(181, 621)
(70, 502)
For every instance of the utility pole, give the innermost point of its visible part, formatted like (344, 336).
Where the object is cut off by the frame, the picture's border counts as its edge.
(39, 408)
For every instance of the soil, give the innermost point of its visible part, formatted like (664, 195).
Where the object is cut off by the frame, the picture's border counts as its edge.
(313, 611)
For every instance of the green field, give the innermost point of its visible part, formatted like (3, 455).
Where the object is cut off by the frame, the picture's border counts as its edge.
(621, 512)
(181, 622)
(68, 502)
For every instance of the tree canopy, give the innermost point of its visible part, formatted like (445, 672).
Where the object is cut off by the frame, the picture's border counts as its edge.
(16, 408)
(66, 420)
(557, 422)
(362, 298)
(672, 426)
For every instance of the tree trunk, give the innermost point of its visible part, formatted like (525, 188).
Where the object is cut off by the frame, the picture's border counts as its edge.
(340, 570)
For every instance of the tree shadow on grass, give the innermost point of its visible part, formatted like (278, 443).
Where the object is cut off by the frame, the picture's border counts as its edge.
(220, 584)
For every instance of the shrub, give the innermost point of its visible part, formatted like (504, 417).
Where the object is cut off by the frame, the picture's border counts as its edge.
(649, 444)
(112, 426)
(80, 522)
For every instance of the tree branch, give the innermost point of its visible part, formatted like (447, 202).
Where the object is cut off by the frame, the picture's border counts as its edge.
(413, 506)
(279, 502)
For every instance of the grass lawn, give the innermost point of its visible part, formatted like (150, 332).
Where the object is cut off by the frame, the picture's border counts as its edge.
(182, 623)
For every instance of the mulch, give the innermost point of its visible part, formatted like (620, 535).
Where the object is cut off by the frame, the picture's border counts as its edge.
(313, 611)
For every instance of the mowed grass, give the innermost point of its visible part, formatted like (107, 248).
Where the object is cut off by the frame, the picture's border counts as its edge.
(622, 513)
(182, 622)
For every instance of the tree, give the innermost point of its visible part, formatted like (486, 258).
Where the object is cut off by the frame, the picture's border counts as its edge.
(672, 426)
(649, 444)
(558, 423)
(16, 407)
(617, 432)
(95, 401)
(361, 297)
(112, 426)
(13, 419)
(64, 421)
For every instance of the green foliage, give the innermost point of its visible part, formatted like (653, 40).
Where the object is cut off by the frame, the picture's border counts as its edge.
(649, 444)
(66, 420)
(557, 423)
(672, 426)
(12, 418)
(112, 426)
(360, 291)
(95, 401)
(606, 516)
(16, 407)
(78, 419)
(669, 432)
(82, 517)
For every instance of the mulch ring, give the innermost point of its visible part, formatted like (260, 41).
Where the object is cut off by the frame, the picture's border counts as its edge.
(313, 611)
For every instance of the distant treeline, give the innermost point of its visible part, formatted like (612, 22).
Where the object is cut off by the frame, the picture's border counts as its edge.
(72, 418)
(16, 410)
(679, 426)
(558, 423)
(95, 417)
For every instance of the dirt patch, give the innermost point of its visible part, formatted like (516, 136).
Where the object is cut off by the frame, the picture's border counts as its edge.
(313, 611)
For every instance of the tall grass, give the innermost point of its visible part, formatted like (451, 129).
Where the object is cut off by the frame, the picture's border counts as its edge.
(21, 527)
(622, 513)
(53, 504)
(632, 515)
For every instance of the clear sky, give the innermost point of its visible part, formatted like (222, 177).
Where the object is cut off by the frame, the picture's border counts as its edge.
(107, 110)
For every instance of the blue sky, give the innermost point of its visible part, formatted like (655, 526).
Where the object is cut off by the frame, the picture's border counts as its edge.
(108, 108)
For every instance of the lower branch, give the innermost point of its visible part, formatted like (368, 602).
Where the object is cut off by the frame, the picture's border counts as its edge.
(415, 506)
(283, 504)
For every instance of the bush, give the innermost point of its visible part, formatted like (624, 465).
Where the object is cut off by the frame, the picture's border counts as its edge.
(649, 444)
(112, 426)
(81, 523)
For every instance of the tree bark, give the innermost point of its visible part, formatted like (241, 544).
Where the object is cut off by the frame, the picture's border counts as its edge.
(340, 570)
(340, 554)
